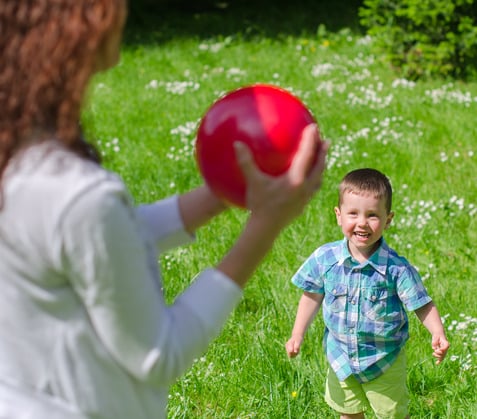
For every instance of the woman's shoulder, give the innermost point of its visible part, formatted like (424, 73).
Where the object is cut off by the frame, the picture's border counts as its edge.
(50, 165)
(48, 190)
(49, 177)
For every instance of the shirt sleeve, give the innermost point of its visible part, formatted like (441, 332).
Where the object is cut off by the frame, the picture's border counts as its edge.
(112, 271)
(162, 224)
(308, 277)
(411, 289)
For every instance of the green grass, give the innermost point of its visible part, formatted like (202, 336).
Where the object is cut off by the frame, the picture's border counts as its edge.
(144, 114)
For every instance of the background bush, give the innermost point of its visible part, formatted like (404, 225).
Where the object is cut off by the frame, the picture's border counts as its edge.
(206, 18)
(424, 37)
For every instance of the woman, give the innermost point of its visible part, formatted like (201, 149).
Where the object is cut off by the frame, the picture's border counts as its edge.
(84, 329)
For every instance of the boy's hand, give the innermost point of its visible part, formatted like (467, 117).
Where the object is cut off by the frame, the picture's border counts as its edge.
(440, 346)
(293, 346)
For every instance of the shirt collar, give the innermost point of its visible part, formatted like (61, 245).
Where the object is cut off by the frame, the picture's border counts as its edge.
(378, 260)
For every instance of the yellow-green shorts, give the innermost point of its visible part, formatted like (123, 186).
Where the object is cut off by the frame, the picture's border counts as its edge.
(386, 395)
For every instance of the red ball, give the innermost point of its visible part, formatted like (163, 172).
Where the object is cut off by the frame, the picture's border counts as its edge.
(270, 120)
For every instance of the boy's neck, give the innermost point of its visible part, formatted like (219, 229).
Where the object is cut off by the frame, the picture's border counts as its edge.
(364, 256)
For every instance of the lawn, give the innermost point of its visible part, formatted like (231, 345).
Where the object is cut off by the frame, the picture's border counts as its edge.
(144, 115)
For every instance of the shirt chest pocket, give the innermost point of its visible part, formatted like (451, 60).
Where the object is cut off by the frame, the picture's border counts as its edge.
(336, 296)
(375, 302)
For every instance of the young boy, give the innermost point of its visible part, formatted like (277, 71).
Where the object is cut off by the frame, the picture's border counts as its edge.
(364, 287)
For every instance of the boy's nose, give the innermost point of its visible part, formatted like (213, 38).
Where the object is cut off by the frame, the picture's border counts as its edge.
(362, 221)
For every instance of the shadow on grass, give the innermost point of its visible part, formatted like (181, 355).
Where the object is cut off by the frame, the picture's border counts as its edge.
(248, 18)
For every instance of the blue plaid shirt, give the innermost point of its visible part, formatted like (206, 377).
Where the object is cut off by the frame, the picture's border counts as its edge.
(363, 306)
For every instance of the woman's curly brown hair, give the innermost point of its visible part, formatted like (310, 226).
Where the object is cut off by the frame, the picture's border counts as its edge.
(48, 51)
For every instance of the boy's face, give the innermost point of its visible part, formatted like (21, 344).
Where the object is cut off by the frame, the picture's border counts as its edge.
(362, 218)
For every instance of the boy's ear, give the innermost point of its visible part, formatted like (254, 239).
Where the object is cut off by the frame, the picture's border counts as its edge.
(338, 215)
(389, 219)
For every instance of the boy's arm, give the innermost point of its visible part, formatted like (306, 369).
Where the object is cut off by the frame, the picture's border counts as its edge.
(308, 306)
(430, 318)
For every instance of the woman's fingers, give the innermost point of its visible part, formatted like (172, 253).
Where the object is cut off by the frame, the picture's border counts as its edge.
(294, 188)
(310, 160)
(306, 153)
(245, 159)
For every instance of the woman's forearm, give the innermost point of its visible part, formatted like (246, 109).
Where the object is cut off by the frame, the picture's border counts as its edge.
(198, 206)
(251, 247)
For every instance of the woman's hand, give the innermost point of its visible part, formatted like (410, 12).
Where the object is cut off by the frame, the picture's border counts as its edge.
(280, 199)
(273, 201)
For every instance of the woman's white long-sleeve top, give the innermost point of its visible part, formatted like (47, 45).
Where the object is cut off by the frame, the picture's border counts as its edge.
(84, 328)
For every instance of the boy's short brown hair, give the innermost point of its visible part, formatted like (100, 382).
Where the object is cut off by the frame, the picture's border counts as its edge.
(367, 180)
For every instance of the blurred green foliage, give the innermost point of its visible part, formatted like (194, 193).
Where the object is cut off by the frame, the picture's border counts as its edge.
(157, 21)
(424, 38)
